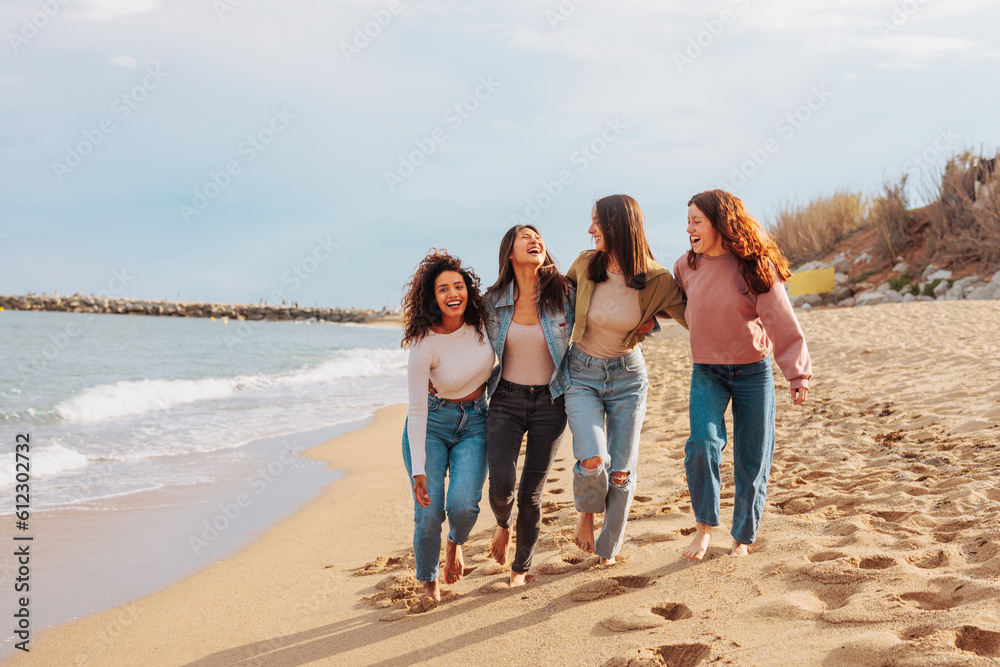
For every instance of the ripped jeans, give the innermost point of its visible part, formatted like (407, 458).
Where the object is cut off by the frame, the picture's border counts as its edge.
(605, 404)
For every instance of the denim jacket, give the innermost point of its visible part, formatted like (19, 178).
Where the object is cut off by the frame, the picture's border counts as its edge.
(558, 330)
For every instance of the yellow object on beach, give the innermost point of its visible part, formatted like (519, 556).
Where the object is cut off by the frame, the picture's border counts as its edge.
(812, 282)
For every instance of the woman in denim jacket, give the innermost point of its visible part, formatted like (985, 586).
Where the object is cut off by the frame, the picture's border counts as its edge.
(529, 319)
(620, 288)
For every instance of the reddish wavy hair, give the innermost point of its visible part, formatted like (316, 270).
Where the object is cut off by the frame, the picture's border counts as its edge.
(760, 260)
(420, 307)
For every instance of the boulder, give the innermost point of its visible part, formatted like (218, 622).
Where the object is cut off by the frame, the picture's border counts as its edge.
(841, 264)
(943, 274)
(941, 288)
(985, 292)
(909, 298)
(841, 277)
(925, 298)
(846, 303)
(884, 287)
(869, 299)
(900, 267)
(892, 296)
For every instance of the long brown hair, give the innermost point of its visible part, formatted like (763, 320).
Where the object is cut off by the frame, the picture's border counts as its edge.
(420, 307)
(551, 283)
(621, 221)
(760, 260)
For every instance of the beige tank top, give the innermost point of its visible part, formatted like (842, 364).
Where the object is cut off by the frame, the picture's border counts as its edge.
(614, 312)
(526, 357)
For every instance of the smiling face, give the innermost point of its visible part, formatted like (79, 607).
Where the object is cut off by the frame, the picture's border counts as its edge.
(704, 238)
(452, 297)
(529, 249)
(595, 231)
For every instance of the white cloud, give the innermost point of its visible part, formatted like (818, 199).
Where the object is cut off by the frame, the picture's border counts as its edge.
(105, 10)
(124, 61)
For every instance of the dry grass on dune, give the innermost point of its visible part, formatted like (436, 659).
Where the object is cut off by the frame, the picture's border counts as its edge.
(957, 229)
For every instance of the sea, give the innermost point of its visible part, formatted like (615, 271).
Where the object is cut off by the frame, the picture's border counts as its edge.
(146, 431)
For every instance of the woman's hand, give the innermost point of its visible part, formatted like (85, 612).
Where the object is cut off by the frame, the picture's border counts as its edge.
(799, 395)
(647, 326)
(420, 490)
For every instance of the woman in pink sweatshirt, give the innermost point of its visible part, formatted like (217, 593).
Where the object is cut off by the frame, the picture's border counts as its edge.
(738, 314)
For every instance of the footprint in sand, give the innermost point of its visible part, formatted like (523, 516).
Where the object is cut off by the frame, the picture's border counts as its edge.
(672, 655)
(601, 588)
(380, 565)
(932, 601)
(976, 640)
(395, 590)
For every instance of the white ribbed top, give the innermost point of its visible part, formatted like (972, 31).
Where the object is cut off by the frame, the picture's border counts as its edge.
(457, 363)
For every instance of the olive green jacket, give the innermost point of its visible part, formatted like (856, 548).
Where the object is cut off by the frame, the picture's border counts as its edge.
(661, 296)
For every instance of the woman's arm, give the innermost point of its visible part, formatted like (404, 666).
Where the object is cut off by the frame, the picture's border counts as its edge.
(418, 373)
(790, 350)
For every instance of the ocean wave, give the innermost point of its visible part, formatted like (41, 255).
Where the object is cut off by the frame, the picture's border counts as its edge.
(46, 462)
(128, 398)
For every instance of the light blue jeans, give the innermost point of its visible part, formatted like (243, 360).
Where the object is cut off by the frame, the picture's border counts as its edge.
(605, 404)
(456, 449)
(751, 389)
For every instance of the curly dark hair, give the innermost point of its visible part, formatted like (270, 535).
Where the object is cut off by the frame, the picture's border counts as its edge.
(420, 307)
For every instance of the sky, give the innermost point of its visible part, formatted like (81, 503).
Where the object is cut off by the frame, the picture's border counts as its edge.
(239, 150)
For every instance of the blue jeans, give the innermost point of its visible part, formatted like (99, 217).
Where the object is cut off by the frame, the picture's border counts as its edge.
(751, 389)
(456, 448)
(605, 404)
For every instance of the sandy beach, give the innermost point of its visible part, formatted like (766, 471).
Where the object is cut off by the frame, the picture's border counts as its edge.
(880, 544)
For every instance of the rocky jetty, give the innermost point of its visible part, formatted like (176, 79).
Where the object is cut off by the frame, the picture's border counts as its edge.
(266, 312)
(855, 288)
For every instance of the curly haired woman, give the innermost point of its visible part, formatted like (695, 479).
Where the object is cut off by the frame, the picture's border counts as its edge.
(445, 433)
(738, 313)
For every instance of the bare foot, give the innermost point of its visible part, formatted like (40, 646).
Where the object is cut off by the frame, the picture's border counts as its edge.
(499, 545)
(699, 545)
(739, 549)
(454, 566)
(520, 578)
(584, 537)
(432, 589)
(608, 561)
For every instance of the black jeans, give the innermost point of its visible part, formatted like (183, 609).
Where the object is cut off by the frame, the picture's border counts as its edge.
(514, 409)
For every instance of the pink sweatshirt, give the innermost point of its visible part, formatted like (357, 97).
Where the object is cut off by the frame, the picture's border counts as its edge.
(732, 325)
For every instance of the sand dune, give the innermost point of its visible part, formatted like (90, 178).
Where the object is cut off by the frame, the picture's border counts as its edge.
(880, 544)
